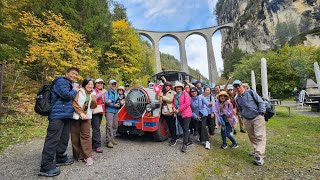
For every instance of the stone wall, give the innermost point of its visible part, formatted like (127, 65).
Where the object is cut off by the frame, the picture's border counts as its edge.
(266, 24)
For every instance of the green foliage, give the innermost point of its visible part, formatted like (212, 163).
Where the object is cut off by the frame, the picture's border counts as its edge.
(119, 12)
(292, 149)
(89, 17)
(148, 61)
(20, 127)
(287, 68)
(122, 60)
(231, 59)
(12, 45)
(17, 85)
(54, 47)
(282, 33)
(285, 31)
(169, 62)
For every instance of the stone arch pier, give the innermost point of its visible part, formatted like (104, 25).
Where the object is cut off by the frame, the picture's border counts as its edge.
(181, 36)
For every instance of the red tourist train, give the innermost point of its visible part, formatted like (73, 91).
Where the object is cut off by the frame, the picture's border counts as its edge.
(142, 113)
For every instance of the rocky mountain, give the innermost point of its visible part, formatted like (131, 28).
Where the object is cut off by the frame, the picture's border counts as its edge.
(268, 24)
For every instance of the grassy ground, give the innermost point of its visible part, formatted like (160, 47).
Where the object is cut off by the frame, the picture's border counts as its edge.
(292, 152)
(21, 127)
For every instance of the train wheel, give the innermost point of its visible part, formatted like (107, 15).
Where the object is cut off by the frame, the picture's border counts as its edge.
(162, 132)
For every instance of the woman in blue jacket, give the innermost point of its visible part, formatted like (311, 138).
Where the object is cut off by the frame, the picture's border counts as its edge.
(211, 118)
(200, 115)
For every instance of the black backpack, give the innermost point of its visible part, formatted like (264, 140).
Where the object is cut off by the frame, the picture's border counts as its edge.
(269, 107)
(43, 104)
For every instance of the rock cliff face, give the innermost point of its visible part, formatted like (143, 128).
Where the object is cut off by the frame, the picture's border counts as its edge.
(266, 24)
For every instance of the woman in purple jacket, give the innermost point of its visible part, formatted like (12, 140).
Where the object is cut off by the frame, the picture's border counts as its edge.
(182, 110)
(226, 119)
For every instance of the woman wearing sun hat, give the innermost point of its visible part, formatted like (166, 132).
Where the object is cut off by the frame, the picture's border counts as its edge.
(98, 114)
(183, 112)
(165, 99)
(122, 96)
(226, 119)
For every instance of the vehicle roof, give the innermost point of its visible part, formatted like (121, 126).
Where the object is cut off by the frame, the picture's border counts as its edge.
(170, 72)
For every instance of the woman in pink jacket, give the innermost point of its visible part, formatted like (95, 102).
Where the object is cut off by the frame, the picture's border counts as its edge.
(183, 112)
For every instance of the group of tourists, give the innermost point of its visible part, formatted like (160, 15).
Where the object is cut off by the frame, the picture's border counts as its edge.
(78, 109)
(198, 110)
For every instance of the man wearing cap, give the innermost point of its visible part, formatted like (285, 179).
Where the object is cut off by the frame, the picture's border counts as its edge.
(112, 114)
(252, 109)
(127, 89)
(98, 114)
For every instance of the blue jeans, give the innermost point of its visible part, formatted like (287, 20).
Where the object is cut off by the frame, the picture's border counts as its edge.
(226, 132)
(179, 129)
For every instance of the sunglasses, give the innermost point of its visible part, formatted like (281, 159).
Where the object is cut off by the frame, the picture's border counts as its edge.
(223, 96)
(114, 84)
(193, 91)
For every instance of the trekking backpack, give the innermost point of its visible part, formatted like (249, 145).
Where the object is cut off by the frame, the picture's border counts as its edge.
(43, 103)
(269, 107)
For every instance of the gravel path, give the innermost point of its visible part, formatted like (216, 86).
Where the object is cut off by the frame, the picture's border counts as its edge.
(133, 158)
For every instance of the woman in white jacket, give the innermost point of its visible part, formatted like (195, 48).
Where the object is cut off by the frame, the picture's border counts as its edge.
(83, 104)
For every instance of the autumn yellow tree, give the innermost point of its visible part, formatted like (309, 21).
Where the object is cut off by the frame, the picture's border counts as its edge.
(122, 61)
(55, 46)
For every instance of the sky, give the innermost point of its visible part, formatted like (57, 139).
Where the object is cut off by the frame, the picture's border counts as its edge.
(178, 15)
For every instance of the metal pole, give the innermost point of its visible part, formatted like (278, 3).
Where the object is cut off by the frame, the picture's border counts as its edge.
(1, 84)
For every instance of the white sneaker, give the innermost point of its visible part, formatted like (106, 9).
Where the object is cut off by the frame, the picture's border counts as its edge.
(207, 145)
(89, 161)
(259, 161)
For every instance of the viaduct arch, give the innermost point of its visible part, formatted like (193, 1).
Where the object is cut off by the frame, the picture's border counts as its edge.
(181, 36)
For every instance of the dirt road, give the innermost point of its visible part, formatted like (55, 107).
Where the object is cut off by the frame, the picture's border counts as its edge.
(133, 158)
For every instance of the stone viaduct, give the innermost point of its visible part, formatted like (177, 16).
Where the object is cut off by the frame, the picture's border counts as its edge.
(180, 37)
